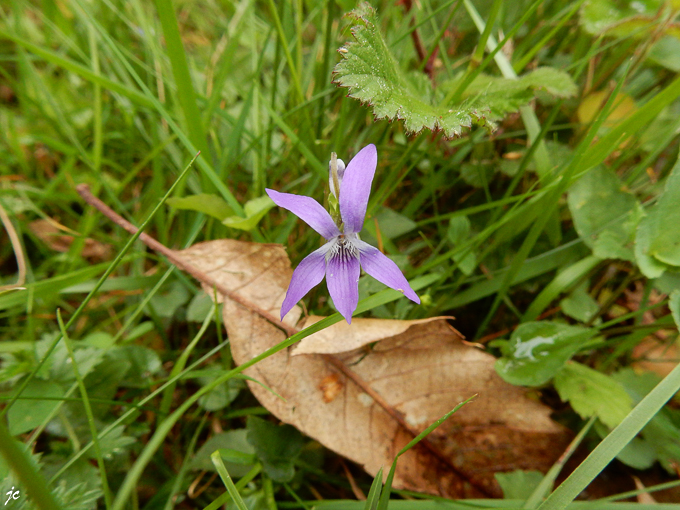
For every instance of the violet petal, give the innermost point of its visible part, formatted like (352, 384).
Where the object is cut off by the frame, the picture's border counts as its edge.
(384, 270)
(308, 210)
(307, 275)
(342, 278)
(356, 187)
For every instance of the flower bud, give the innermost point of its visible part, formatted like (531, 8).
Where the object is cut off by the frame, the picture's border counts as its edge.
(336, 169)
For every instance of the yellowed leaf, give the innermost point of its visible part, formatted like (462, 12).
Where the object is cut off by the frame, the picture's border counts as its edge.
(420, 368)
(623, 107)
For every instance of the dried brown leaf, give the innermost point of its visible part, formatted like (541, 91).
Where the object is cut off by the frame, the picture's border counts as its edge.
(421, 368)
(644, 497)
(343, 337)
(657, 356)
(52, 234)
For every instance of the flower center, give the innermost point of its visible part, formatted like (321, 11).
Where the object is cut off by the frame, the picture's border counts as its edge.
(344, 247)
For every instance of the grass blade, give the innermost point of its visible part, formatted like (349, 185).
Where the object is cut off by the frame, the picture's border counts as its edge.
(227, 481)
(88, 411)
(31, 480)
(103, 278)
(385, 496)
(186, 95)
(611, 445)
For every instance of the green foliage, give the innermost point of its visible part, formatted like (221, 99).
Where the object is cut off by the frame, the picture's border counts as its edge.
(236, 451)
(617, 18)
(496, 90)
(666, 53)
(217, 207)
(674, 305)
(657, 243)
(30, 413)
(579, 304)
(200, 306)
(255, 210)
(277, 447)
(168, 300)
(206, 203)
(372, 74)
(657, 441)
(636, 19)
(142, 363)
(221, 396)
(592, 393)
(392, 224)
(605, 216)
(518, 484)
(458, 233)
(536, 351)
(122, 99)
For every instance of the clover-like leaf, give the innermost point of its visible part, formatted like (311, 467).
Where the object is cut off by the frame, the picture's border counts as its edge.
(551, 80)
(372, 75)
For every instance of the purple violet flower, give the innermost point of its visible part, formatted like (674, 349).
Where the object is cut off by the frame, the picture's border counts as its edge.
(341, 258)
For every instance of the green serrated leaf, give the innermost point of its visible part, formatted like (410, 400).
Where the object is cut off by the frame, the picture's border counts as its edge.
(113, 443)
(80, 473)
(255, 210)
(372, 75)
(554, 81)
(592, 393)
(206, 203)
(537, 350)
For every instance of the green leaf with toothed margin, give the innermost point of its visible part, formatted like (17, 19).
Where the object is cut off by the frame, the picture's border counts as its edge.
(372, 75)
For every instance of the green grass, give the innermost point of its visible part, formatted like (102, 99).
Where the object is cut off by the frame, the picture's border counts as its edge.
(123, 95)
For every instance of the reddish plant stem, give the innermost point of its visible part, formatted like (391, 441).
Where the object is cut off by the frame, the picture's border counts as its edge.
(175, 259)
(419, 46)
